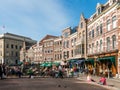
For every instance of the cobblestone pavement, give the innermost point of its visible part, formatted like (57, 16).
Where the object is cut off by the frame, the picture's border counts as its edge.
(47, 84)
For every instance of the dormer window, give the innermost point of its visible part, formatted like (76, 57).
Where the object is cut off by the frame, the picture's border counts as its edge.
(99, 8)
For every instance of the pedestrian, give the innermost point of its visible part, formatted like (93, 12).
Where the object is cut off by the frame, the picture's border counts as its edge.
(89, 78)
(60, 71)
(94, 71)
(19, 72)
(4, 70)
(30, 72)
(102, 80)
(1, 72)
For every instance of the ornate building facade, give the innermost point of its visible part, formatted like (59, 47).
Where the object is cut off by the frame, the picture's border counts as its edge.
(103, 37)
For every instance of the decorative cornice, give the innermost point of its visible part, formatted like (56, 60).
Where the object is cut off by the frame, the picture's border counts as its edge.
(90, 22)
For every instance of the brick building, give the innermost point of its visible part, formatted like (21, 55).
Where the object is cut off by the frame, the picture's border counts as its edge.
(103, 37)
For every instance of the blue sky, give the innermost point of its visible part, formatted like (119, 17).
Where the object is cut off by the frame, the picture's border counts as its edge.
(37, 18)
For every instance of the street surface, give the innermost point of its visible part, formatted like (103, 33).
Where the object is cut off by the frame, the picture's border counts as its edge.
(46, 84)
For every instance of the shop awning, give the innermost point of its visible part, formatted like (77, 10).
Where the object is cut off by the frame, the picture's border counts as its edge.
(49, 64)
(43, 64)
(72, 60)
(110, 58)
(75, 60)
(79, 61)
(56, 63)
(90, 60)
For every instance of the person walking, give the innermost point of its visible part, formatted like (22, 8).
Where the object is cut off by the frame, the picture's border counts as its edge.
(4, 71)
(94, 71)
(60, 73)
(19, 73)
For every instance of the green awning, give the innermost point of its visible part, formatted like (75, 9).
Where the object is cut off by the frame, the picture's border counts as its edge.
(72, 60)
(90, 60)
(48, 64)
(56, 63)
(43, 64)
(110, 58)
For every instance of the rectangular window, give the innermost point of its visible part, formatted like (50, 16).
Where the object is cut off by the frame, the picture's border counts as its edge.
(72, 43)
(97, 46)
(92, 47)
(97, 30)
(12, 46)
(108, 24)
(101, 29)
(92, 33)
(89, 49)
(100, 45)
(67, 54)
(114, 22)
(113, 41)
(16, 54)
(108, 44)
(16, 46)
(7, 46)
(71, 53)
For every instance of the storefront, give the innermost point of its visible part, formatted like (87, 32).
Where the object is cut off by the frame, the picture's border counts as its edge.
(79, 62)
(89, 64)
(107, 66)
(105, 63)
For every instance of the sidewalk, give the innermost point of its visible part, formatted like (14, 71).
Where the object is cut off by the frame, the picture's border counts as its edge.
(112, 83)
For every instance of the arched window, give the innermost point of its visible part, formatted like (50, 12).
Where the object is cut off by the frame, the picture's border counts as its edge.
(114, 22)
(113, 42)
(108, 43)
